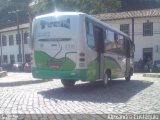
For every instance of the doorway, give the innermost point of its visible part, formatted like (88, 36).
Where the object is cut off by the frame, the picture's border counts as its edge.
(147, 55)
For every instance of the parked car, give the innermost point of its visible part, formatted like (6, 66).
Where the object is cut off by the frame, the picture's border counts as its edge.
(18, 66)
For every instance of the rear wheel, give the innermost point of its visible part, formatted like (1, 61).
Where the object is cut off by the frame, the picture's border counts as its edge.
(128, 78)
(68, 83)
(107, 76)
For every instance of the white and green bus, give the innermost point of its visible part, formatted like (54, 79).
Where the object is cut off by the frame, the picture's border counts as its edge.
(74, 46)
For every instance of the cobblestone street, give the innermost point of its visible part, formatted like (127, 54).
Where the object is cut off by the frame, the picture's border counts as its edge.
(22, 94)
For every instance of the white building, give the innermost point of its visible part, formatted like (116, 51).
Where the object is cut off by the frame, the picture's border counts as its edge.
(9, 45)
(143, 27)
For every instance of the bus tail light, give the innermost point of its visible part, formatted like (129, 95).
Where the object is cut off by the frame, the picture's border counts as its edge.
(81, 59)
(82, 54)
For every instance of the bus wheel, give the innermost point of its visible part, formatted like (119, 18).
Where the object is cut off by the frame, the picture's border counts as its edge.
(105, 79)
(128, 78)
(68, 83)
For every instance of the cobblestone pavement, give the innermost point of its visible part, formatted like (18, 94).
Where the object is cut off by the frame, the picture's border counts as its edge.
(22, 94)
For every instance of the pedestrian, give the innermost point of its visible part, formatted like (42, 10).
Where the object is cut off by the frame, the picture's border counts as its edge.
(149, 62)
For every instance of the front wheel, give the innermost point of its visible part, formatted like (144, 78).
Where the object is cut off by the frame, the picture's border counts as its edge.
(105, 79)
(68, 83)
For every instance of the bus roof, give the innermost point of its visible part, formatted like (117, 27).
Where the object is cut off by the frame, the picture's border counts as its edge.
(80, 13)
(59, 14)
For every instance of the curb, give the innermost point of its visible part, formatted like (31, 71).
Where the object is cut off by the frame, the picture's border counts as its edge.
(151, 75)
(3, 74)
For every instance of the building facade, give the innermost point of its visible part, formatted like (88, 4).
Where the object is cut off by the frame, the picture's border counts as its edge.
(143, 27)
(11, 46)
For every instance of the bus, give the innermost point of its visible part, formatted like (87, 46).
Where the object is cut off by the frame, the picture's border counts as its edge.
(74, 46)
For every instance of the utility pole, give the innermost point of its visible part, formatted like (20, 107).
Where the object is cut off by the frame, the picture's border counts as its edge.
(18, 33)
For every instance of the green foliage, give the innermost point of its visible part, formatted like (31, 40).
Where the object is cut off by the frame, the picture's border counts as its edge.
(44, 6)
(139, 4)
(12, 5)
(87, 6)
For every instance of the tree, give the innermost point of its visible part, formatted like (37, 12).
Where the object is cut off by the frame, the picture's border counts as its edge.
(139, 4)
(12, 5)
(87, 6)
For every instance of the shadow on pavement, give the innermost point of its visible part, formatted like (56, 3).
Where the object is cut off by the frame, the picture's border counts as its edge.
(19, 83)
(117, 91)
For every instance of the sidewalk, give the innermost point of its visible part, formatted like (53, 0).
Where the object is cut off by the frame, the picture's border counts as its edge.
(2, 73)
(156, 75)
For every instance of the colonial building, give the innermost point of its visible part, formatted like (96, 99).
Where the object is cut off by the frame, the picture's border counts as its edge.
(11, 46)
(143, 27)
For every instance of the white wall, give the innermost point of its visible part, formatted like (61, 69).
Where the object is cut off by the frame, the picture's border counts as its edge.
(27, 49)
(14, 49)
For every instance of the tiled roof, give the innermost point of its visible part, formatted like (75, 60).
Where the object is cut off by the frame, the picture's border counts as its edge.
(26, 25)
(129, 14)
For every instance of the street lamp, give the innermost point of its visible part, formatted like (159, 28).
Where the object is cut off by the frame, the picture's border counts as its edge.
(18, 33)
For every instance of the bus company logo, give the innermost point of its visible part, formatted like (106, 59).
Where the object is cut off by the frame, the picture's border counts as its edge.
(49, 24)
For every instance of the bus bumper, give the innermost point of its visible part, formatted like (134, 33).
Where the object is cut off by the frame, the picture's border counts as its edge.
(76, 74)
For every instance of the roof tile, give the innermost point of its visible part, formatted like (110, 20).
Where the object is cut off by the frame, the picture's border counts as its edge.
(129, 14)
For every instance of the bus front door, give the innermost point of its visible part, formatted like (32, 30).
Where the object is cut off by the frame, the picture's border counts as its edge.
(99, 38)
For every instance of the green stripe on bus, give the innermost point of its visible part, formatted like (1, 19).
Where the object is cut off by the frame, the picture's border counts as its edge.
(77, 74)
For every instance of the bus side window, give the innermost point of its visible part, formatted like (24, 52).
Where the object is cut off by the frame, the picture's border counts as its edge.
(90, 35)
(105, 40)
(110, 36)
(115, 43)
(109, 41)
(121, 45)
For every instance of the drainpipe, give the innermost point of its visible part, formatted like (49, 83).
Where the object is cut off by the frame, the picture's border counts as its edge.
(133, 30)
(1, 48)
(22, 45)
